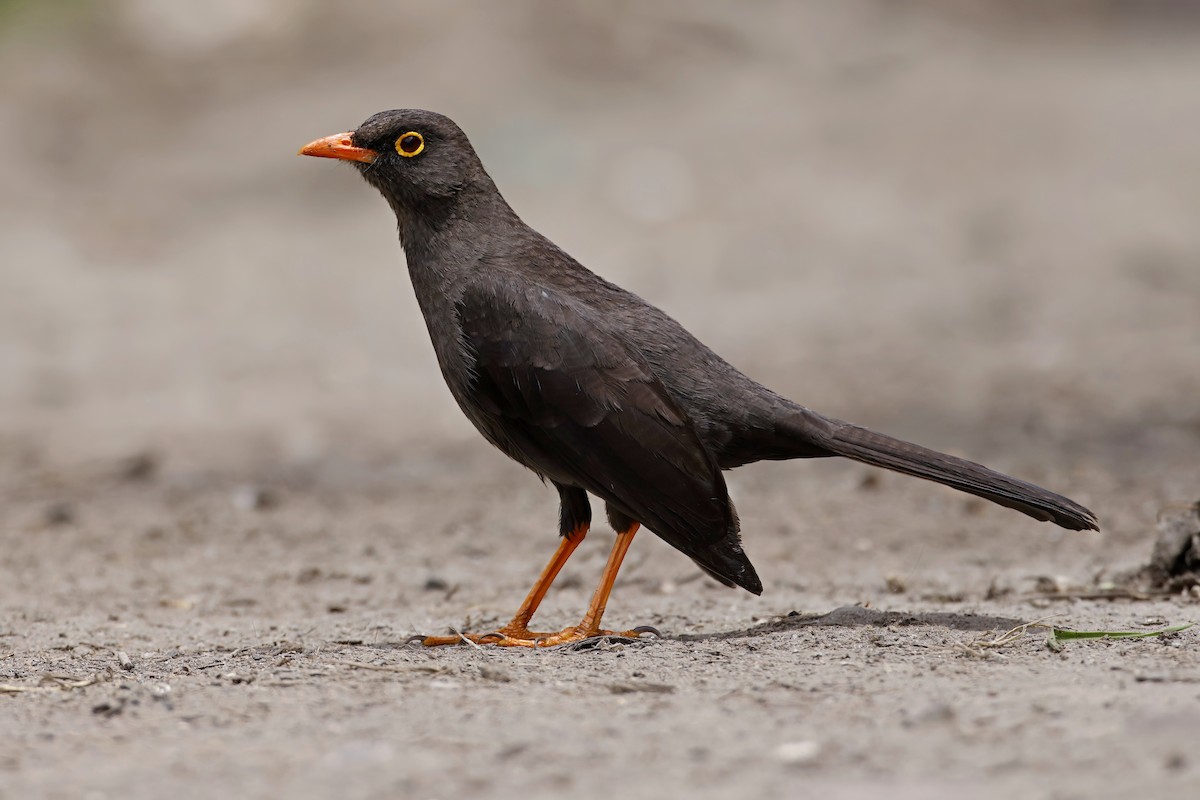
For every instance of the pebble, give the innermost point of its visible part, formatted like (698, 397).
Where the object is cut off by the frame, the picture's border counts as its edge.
(798, 753)
(61, 512)
(253, 498)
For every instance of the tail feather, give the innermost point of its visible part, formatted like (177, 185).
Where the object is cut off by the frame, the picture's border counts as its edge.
(876, 449)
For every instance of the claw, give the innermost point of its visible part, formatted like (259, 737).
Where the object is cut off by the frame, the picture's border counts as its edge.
(519, 636)
(417, 637)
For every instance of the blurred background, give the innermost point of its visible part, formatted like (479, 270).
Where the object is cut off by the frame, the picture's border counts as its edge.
(227, 453)
(969, 223)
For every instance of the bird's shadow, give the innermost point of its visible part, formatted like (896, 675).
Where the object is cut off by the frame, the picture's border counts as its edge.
(844, 617)
(857, 617)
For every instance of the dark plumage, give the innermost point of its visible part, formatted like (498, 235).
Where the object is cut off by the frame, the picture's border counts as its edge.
(593, 388)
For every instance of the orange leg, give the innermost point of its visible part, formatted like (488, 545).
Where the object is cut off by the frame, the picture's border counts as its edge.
(518, 628)
(517, 634)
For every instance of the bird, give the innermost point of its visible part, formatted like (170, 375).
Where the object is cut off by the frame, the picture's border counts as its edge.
(594, 389)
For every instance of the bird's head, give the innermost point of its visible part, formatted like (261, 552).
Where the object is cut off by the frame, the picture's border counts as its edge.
(412, 157)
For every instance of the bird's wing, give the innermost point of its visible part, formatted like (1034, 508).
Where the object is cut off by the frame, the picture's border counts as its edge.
(566, 397)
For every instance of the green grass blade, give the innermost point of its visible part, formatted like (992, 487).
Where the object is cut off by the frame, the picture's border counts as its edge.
(1063, 635)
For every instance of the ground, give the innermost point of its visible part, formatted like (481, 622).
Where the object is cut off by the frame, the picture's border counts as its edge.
(232, 485)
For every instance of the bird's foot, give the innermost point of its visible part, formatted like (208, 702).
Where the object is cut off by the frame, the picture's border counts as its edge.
(514, 636)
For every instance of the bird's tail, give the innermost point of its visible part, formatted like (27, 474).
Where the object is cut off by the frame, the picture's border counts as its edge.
(878, 450)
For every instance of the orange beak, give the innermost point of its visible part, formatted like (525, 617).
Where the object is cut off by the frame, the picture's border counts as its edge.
(338, 146)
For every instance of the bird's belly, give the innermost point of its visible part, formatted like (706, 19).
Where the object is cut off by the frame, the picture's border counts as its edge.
(511, 438)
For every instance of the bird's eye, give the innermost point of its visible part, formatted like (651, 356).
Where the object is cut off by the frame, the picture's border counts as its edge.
(410, 144)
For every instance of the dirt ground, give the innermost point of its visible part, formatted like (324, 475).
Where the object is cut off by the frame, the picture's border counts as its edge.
(232, 484)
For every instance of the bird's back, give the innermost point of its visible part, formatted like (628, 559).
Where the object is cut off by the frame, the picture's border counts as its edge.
(728, 409)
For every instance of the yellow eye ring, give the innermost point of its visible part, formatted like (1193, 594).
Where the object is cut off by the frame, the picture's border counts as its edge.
(410, 144)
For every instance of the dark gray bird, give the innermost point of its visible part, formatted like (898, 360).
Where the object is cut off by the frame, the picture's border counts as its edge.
(593, 388)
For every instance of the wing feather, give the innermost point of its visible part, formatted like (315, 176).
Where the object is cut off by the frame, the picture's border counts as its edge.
(562, 394)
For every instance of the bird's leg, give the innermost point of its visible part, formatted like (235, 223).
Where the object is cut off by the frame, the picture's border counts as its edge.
(517, 633)
(589, 626)
(518, 628)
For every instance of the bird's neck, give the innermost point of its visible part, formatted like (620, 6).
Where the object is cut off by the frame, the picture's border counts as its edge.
(445, 239)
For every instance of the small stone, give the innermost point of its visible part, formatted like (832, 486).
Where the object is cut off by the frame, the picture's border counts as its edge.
(1175, 562)
(109, 709)
(936, 713)
(973, 506)
(492, 674)
(61, 512)
(308, 575)
(138, 467)
(253, 498)
(799, 753)
(1052, 584)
